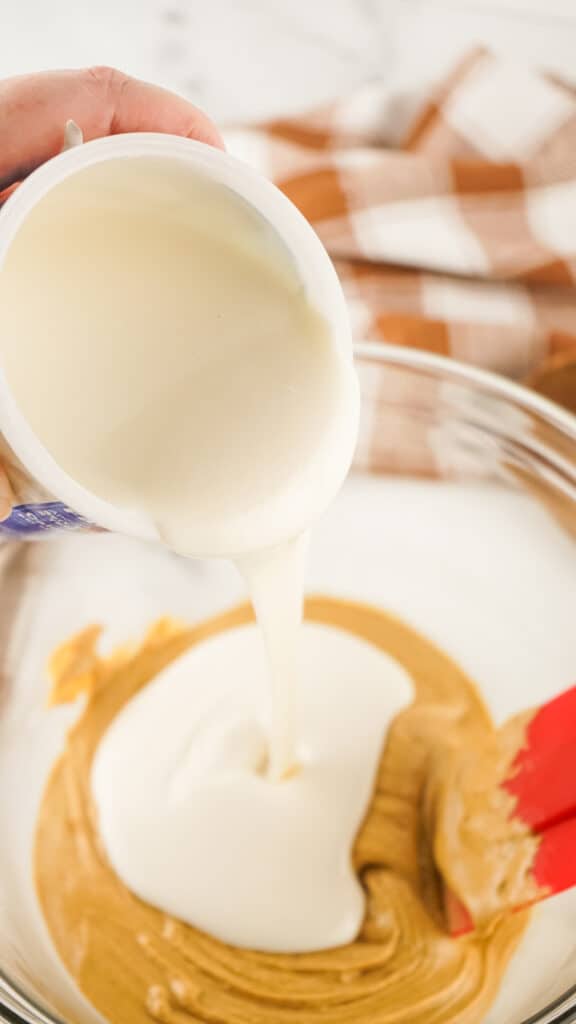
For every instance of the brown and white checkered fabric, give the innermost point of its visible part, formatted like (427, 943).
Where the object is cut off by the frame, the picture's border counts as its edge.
(462, 241)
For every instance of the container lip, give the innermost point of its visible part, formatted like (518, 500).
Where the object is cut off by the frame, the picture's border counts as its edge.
(312, 263)
(447, 369)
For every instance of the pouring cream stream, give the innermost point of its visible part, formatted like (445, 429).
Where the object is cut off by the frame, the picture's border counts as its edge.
(180, 368)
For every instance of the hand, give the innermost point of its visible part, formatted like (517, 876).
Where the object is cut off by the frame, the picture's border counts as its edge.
(35, 108)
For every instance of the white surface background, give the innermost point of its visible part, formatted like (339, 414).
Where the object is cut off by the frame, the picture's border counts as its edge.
(246, 58)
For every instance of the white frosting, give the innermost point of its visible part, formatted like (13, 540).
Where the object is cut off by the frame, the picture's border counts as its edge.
(191, 822)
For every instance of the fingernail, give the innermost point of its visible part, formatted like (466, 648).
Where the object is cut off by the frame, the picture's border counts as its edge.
(73, 136)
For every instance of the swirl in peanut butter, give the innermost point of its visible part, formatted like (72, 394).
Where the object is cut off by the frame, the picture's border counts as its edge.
(137, 966)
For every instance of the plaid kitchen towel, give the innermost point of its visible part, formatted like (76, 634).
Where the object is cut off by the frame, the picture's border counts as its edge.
(462, 240)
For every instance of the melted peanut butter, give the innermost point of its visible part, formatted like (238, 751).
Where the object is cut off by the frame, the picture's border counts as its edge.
(136, 965)
(484, 851)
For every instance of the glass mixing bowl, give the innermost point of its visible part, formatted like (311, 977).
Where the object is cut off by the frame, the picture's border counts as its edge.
(460, 517)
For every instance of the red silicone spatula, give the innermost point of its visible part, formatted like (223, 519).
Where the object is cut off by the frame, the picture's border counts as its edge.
(543, 776)
(543, 783)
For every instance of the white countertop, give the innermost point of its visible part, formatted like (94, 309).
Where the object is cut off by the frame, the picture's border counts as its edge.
(249, 58)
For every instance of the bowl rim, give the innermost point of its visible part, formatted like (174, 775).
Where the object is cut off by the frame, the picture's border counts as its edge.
(562, 1010)
(446, 368)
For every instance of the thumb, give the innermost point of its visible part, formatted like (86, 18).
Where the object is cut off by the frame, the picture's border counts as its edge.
(6, 496)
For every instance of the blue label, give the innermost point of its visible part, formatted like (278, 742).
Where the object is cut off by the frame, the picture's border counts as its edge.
(28, 520)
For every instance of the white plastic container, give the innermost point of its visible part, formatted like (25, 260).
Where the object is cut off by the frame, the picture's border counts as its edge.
(49, 500)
